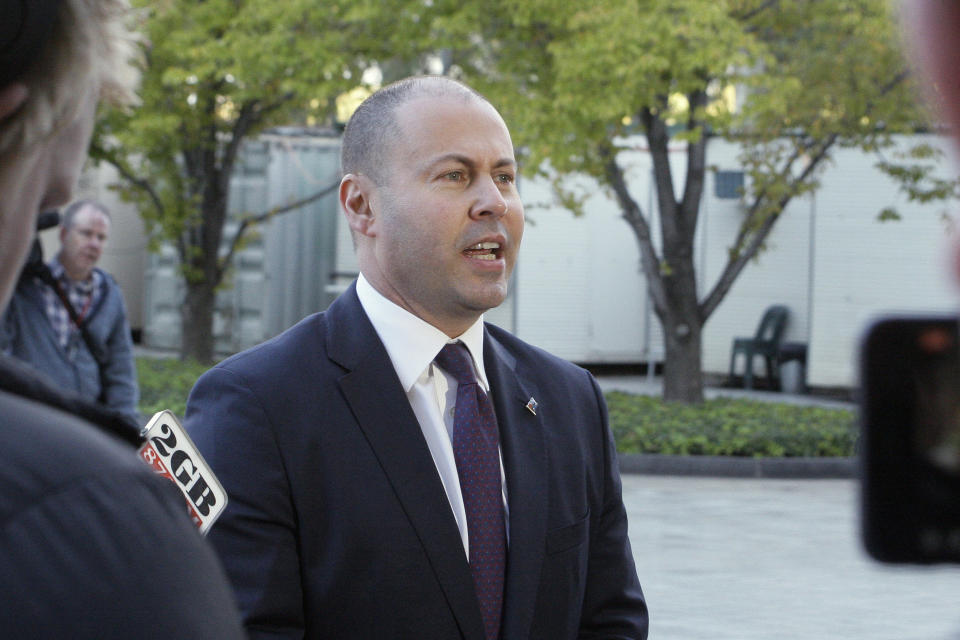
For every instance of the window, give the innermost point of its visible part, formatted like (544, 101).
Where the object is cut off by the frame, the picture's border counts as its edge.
(728, 185)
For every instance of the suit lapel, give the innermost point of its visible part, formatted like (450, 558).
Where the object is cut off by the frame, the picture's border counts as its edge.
(377, 400)
(525, 468)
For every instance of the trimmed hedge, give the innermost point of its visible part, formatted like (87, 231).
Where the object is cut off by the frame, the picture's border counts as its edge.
(641, 424)
(729, 427)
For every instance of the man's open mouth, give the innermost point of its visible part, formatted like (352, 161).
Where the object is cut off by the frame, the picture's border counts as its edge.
(484, 251)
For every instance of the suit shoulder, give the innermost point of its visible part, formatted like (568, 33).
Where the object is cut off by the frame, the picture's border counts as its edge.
(532, 357)
(283, 350)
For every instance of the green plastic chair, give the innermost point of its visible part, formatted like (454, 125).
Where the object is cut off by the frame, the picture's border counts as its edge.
(765, 343)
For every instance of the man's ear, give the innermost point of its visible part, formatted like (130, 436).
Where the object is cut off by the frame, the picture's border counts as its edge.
(356, 192)
(11, 97)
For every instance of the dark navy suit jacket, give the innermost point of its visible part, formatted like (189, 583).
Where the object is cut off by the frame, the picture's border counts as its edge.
(338, 525)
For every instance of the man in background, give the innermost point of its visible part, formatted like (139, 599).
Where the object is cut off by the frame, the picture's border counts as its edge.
(94, 544)
(71, 324)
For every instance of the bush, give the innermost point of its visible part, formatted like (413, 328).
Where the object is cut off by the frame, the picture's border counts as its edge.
(729, 427)
(165, 383)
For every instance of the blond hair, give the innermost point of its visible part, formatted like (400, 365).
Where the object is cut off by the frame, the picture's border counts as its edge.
(90, 47)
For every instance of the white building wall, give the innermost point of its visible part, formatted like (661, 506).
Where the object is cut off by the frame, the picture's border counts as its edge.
(581, 295)
(864, 268)
(580, 289)
(554, 277)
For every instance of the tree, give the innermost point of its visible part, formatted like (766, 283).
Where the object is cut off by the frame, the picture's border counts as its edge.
(577, 80)
(218, 72)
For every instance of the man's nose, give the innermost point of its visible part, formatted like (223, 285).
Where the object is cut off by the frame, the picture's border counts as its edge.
(490, 200)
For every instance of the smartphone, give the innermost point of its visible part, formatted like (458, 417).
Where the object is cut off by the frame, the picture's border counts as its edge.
(910, 444)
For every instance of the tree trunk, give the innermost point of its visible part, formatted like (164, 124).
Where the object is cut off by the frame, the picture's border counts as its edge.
(681, 322)
(682, 376)
(196, 317)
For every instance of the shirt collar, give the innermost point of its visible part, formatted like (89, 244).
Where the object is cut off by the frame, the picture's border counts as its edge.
(412, 343)
(56, 267)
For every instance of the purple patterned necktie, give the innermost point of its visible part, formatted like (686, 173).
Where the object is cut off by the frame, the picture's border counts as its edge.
(477, 454)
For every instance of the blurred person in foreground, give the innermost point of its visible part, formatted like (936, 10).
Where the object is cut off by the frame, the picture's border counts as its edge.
(94, 544)
(398, 468)
(85, 347)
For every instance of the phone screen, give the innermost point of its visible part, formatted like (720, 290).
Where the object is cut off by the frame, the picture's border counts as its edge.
(910, 450)
(935, 378)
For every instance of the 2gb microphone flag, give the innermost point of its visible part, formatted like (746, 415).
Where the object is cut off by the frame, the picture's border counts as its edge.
(170, 452)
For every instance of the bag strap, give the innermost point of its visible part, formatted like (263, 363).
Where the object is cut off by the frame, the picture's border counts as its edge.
(97, 350)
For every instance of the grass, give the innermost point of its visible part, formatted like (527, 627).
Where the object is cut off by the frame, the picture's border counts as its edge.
(165, 383)
(641, 424)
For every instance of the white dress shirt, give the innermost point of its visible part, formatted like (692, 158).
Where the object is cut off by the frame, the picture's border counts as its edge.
(412, 344)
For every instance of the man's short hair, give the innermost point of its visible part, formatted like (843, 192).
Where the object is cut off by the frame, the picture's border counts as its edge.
(83, 44)
(374, 124)
(68, 215)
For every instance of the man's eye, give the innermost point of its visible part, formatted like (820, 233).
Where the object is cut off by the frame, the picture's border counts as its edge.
(505, 178)
(454, 176)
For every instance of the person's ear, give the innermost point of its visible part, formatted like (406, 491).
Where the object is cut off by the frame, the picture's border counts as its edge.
(356, 192)
(12, 97)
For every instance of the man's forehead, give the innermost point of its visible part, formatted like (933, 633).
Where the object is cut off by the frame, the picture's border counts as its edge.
(90, 215)
(435, 122)
(426, 105)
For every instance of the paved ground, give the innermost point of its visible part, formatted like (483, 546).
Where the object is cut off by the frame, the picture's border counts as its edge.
(764, 559)
(749, 559)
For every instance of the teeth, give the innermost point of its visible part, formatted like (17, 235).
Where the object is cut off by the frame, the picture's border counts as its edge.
(485, 245)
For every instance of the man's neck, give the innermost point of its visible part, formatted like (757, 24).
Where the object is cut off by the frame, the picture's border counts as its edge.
(74, 275)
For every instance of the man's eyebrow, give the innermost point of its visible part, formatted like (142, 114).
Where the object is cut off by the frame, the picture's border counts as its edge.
(468, 162)
(455, 157)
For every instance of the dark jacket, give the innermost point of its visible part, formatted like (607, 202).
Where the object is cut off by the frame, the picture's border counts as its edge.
(26, 334)
(94, 544)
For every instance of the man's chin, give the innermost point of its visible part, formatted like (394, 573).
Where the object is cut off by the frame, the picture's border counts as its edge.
(488, 298)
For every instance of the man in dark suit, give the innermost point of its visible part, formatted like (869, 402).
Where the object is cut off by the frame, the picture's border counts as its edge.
(353, 490)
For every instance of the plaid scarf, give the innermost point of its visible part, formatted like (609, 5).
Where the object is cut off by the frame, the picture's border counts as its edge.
(83, 297)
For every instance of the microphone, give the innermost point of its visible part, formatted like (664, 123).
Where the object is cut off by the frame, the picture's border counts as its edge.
(171, 453)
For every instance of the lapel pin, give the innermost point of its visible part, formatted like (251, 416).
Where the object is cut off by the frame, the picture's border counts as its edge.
(532, 406)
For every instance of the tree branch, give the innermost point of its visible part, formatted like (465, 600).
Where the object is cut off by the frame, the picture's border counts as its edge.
(248, 221)
(696, 165)
(658, 140)
(751, 13)
(759, 235)
(247, 118)
(126, 172)
(632, 213)
(251, 114)
(735, 265)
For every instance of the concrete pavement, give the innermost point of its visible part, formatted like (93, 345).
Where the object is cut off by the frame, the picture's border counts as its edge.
(760, 559)
(726, 558)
